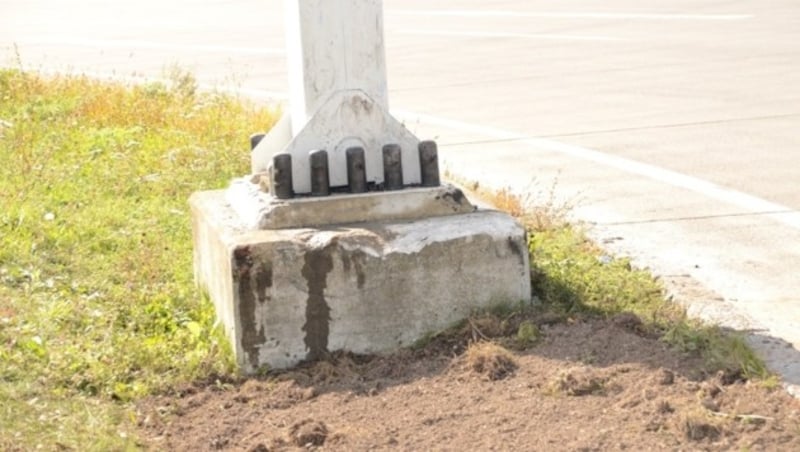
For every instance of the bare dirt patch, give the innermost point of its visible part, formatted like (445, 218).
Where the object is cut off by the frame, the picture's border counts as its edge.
(584, 385)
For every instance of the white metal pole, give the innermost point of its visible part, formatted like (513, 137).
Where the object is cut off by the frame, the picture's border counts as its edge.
(333, 45)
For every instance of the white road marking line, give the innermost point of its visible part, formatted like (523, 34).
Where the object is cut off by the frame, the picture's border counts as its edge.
(747, 202)
(482, 34)
(135, 43)
(566, 15)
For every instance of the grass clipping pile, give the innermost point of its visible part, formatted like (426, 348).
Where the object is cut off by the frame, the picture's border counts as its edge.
(524, 381)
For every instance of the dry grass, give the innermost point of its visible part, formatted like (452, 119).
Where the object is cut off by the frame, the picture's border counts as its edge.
(489, 360)
(579, 381)
(97, 302)
(699, 426)
(537, 209)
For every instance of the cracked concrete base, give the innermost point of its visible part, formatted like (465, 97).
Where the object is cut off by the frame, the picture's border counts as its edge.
(288, 295)
(259, 210)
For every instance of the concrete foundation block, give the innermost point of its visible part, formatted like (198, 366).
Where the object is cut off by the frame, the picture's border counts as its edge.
(260, 210)
(288, 295)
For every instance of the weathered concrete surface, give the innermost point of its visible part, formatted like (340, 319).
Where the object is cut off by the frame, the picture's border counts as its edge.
(288, 295)
(259, 210)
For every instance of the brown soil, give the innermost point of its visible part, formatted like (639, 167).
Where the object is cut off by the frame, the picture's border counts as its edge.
(585, 385)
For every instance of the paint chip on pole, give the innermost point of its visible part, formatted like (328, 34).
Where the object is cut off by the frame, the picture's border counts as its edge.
(337, 93)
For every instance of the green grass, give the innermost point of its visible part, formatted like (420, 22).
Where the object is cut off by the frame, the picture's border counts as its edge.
(572, 277)
(97, 301)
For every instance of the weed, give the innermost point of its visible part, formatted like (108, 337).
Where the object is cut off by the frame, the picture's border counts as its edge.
(721, 349)
(536, 208)
(527, 334)
(770, 383)
(573, 276)
(97, 302)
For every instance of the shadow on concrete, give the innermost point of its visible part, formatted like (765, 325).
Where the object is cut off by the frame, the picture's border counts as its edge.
(781, 357)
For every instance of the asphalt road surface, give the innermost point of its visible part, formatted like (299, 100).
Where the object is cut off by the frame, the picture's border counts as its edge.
(672, 127)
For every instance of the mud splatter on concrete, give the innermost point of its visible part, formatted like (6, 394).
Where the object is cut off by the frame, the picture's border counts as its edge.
(517, 250)
(456, 195)
(263, 279)
(318, 263)
(355, 260)
(252, 337)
